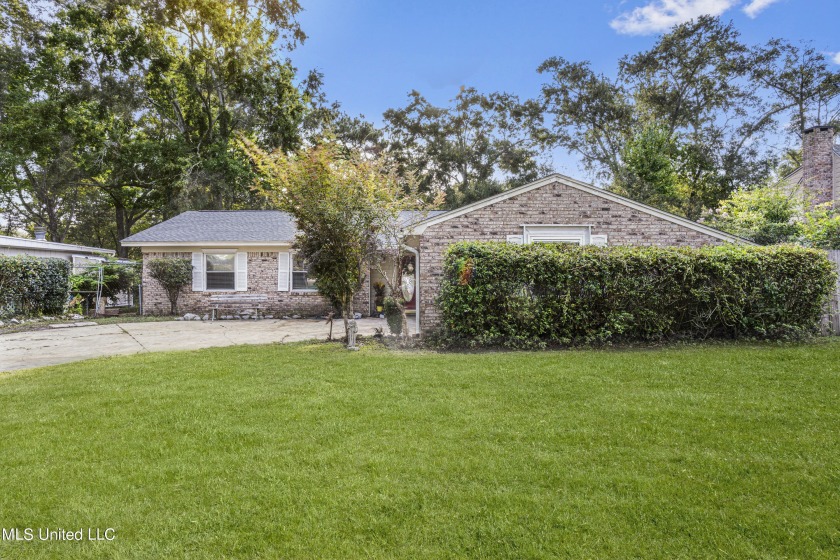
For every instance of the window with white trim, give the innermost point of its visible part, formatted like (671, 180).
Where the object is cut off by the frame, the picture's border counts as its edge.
(220, 271)
(574, 235)
(301, 278)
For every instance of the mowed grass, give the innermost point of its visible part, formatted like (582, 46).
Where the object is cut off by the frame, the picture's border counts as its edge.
(310, 451)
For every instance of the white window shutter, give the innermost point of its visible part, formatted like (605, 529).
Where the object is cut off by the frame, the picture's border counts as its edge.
(283, 271)
(517, 239)
(198, 272)
(598, 240)
(241, 280)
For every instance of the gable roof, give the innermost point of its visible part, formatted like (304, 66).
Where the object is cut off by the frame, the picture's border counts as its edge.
(420, 227)
(228, 227)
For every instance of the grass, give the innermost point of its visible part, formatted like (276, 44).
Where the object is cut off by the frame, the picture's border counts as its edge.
(308, 451)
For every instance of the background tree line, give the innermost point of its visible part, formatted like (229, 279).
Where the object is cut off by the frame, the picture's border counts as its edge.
(115, 115)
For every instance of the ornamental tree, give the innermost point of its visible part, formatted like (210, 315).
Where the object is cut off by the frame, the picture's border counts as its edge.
(173, 275)
(341, 202)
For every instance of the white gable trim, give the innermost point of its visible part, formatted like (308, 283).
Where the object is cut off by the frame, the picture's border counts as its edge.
(420, 227)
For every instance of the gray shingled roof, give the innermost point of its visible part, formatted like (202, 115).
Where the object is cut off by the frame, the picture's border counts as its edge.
(199, 226)
(269, 226)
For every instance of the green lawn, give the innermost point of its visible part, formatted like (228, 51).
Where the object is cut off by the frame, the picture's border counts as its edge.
(309, 451)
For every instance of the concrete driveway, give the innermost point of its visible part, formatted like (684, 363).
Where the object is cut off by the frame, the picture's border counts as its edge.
(58, 346)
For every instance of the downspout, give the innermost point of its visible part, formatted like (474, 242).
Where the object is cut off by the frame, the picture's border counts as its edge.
(416, 254)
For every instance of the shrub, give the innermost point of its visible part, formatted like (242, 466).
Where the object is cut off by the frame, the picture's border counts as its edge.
(117, 278)
(393, 315)
(534, 295)
(173, 274)
(31, 286)
(765, 215)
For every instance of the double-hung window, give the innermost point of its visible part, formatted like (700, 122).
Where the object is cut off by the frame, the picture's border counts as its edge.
(301, 278)
(221, 271)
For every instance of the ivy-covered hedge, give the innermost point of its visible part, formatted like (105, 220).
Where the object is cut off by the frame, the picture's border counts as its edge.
(544, 294)
(32, 286)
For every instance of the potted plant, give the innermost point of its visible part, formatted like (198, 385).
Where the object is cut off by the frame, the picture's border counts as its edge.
(379, 296)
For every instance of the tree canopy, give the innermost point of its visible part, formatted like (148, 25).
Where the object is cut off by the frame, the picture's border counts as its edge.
(131, 107)
(686, 123)
(115, 115)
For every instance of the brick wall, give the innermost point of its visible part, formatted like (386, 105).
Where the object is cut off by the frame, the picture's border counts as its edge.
(552, 204)
(818, 164)
(262, 279)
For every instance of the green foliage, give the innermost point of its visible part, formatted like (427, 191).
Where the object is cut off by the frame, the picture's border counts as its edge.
(393, 315)
(343, 204)
(120, 113)
(479, 145)
(650, 174)
(765, 215)
(173, 274)
(821, 227)
(772, 214)
(31, 286)
(714, 99)
(530, 296)
(331, 199)
(116, 279)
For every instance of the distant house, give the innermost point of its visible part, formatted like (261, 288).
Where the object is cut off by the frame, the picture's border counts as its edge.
(78, 255)
(251, 251)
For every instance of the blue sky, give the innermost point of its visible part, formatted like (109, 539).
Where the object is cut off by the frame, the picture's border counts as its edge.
(373, 52)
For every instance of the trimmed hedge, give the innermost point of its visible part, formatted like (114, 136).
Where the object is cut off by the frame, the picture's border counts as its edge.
(32, 286)
(526, 296)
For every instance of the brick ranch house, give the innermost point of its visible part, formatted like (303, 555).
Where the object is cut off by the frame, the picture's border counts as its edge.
(250, 252)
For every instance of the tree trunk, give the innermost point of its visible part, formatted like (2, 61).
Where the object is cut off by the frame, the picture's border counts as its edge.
(122, 252)
(404, 329)
(122, 229)
(345, 310)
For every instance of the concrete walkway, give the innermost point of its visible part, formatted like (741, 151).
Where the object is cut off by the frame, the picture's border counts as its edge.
(58, 346)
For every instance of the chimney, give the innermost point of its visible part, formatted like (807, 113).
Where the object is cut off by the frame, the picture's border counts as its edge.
(40, 233)
(818, 164)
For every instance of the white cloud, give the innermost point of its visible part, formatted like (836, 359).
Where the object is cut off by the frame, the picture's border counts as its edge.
(836, 58)
(757, 6)
(660, 15)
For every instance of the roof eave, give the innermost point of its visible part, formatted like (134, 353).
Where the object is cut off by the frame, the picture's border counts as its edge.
(20, 243)
(219, 244)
